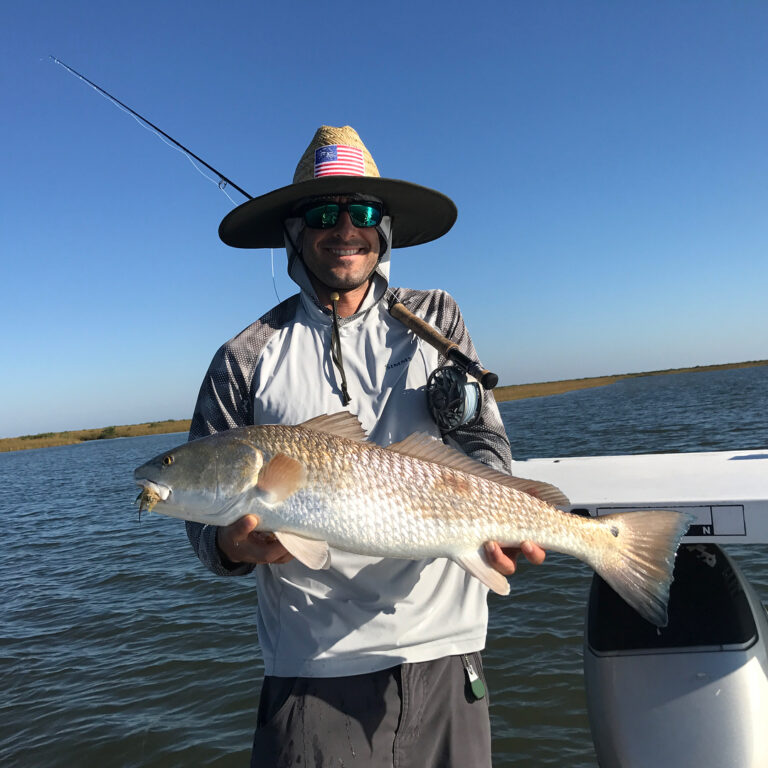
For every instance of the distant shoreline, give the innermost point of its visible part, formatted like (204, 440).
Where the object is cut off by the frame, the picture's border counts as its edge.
(502, 394)
(544, 389)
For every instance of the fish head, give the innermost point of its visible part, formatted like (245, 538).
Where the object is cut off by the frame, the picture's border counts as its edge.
(202, 480)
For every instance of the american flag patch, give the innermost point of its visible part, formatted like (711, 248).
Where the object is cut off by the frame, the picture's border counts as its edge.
(338, 160)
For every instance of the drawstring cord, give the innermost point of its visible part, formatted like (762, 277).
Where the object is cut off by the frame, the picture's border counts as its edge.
(335, 337)
(336, 350)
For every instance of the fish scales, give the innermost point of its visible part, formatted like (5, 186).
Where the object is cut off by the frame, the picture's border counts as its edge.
(322, 484)
(407, 505)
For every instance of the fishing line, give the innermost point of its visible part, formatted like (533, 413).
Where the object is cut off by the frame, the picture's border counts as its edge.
(221, 183)
(274, 283)
(418, 326)
(191, 156)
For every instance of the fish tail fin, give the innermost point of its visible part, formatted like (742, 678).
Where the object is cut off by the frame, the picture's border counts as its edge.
(640, 567)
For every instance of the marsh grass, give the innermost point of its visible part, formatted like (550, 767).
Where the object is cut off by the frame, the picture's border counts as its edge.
(51, 439)
(513, 392)
(520, 391)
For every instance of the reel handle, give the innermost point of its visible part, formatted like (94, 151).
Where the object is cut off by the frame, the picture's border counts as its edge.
(449, 349)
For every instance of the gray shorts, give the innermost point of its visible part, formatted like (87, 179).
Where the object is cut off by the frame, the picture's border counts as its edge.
(421, 715)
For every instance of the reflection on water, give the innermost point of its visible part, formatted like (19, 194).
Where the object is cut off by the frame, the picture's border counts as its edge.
(118, 649)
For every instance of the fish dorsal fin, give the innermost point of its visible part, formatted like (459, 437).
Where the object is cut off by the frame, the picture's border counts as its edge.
(427, 448)
(281, 477)
(422, 446)
(314, 554)
(342, 424)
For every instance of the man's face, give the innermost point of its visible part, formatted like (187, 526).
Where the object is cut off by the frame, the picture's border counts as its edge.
(343, 257)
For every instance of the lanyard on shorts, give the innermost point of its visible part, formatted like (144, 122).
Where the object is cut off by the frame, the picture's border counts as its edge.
(475, 683)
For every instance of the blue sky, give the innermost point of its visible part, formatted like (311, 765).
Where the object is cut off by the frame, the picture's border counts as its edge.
(608, 160)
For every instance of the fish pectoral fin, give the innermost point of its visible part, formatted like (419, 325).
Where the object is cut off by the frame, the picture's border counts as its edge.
(477, 564)
(314, 554)
(281, 477)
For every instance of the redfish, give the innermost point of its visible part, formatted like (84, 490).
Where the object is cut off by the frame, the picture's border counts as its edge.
(322, 485)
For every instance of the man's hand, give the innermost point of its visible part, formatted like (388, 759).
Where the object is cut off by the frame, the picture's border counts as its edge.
(241, 543)
(504, 559)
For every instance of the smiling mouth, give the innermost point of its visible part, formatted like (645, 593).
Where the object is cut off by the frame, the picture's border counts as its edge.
(342, 252)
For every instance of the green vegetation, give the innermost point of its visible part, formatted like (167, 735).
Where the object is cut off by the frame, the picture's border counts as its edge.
(52, 439)
(520, 391)
(514, 392)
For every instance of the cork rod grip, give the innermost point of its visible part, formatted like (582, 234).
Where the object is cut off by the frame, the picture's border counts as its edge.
(447, 348)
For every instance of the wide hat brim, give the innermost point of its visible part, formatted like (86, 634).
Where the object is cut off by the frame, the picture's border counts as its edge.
(419, 214)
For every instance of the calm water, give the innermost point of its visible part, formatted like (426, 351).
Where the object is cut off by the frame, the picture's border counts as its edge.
(118, 649)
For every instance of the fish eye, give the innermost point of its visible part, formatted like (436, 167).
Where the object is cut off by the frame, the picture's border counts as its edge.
(167, 460)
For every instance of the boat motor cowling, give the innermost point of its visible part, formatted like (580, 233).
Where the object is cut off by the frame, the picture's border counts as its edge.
(692, 693)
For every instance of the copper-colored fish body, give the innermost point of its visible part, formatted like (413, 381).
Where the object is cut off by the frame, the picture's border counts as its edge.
(322, 484)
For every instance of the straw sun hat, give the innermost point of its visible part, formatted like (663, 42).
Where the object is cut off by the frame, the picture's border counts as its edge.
(336, 163)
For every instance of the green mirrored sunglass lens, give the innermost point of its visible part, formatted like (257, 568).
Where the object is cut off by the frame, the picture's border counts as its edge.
(326, 216)
(364, 215)
(322, 217)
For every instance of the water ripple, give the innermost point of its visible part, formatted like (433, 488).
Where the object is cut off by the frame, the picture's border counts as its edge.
(118, 649)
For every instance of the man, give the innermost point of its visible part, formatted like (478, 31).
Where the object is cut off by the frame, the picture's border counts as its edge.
(372, 661)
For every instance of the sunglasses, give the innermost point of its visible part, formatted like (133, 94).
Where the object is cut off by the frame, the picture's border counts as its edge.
(326, 215)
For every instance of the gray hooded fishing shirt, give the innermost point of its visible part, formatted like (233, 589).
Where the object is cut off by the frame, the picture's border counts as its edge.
(364, 613)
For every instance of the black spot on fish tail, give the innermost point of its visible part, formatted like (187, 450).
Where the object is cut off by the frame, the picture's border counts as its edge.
(640, 567)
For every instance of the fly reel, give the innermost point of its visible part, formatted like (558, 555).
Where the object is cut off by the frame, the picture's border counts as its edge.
(454, 397)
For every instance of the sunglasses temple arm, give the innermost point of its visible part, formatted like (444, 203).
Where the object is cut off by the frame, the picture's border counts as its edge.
(447, 348)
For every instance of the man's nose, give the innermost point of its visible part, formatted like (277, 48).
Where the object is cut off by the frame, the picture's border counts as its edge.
(344, 227)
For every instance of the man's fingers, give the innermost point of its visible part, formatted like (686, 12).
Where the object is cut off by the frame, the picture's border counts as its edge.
(262, 537)
(240, 542)
(534, 554)
(269, 551)
(504, 561)
(242, 528)
(233, 539)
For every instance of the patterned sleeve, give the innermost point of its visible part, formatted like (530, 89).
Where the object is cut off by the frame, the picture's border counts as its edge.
(223, 403)
(224, 398)
(486, 440)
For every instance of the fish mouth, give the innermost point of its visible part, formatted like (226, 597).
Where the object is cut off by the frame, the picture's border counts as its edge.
(151, 494)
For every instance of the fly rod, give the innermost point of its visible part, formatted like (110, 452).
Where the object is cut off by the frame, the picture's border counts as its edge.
(447, 348)
(397, 309)
(152, 126)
